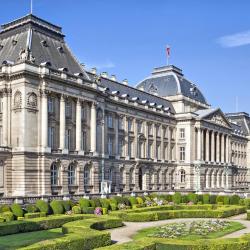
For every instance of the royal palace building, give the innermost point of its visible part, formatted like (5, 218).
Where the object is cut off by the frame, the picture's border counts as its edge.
(67, 130)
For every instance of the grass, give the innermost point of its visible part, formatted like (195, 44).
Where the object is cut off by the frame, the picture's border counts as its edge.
(14, 241)
(234, 226)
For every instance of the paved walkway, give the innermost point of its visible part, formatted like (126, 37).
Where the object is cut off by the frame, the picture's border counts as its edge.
(125, 234)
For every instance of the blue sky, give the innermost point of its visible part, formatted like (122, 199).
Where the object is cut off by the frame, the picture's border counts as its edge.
(209, 39)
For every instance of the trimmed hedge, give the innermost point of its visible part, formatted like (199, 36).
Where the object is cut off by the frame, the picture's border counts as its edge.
(76, 210)
(81, 235)
(31, 208)
(37, 224)
(34, 215)
(7, 216)
(17, 210)
(4, 208)
(84, 203)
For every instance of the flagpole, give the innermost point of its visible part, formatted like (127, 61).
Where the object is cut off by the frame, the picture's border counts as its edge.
(31, 6)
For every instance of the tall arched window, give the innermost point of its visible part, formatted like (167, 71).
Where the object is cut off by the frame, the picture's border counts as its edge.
(183, 176)
(54, 175)
(71, 175)
(87, 176)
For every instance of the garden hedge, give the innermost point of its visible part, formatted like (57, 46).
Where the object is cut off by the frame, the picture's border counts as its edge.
(37, 224)
(81, 234)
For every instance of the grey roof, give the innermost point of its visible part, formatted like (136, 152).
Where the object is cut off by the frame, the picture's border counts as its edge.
(169, 81)
(41, 40)
(205, 112)
(241, 119)
(133, 92)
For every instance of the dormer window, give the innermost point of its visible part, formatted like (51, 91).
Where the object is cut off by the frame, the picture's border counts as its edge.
(60, 49)
(14, 42)
(44, 43)
(1, 47)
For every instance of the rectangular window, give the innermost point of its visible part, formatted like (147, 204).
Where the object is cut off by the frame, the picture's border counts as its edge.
(67, 139)
(130, 126)
(182, 154)
(139, 127)
(110, 145)
(157, 151)
(83, 140)
(150, 132)
(120, 124)
(120, 147)
(182, 133)
(51, 133)
(110, 121)
(158, 134)
(150, 150)
(130, 146)
(84, 113)
(1, 175)
(68, 109)
(51, 105)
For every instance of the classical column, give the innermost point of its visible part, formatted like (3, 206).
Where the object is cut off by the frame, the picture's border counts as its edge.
(212, 147)
(169, 145)
(44, 119)
(93, 128)
(117, 135)
(135, 149)
(154, 142)
(146, 135)
(207, 145)
(222, 148)
(199, 154)
(162, 144)
(126, 141)
(78, 125)
(218, 147)
(5, 118)
(62, 122)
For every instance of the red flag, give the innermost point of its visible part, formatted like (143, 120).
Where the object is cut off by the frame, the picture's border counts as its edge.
(168, 51)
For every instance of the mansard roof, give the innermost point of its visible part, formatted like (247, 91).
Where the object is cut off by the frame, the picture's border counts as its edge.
(169, 81)
(133, 93)
(240, 119)
(36, 40)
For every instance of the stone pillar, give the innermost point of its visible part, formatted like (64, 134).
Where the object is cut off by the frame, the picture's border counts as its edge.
(78, 125)
(154, 142)
(93, 128)
(229, 149)
(207, 145)
(162, 144)
(218, 147)
(44, 119)
(126, 138)
(135, 149)
(222, 148)
(5, 118)
(62, 123)
(212, 147)
(117, 135)
(207, 180)
(146, 135)
(170, 157)
(199, 146)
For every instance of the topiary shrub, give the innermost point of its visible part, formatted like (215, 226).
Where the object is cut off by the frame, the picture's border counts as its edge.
(177, 198)
(139, 200)
(193, 198)
(247, 203)
(42, 206)
(66, 205)
(220, 199)
(84, 203)
(4, 208)
(212, 199)
(8, 216)
(105, 203)
(206, 199)
(97, 202)
(31, 208)
(226, 200)
(184, 199)
(234, 200)
(17, 210)
(92, 203)
(57, 207)
(242, 202)
(132, 201)
(76, 210)
(88, 210)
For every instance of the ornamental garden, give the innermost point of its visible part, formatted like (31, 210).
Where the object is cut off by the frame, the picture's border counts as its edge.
(199, 221)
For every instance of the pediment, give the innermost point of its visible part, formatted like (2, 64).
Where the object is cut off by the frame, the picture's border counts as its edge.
(217, 117)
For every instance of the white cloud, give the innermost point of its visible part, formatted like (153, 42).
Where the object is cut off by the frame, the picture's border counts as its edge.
(108, 64)
(235, 40)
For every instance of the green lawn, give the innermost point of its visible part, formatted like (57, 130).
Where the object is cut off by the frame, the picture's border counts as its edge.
(234, 226)
(15, 241)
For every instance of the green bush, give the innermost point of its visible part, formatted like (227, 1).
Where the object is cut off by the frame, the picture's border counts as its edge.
(132, 201)
(226, 200)
(247, 203)
(139, 200)
(105, 203)
(84, 203)
(193, 198)
(31, 208)
(57, 207)
(104, 211)
(113, 204)
(88, 210)
(97, 202)
(122, 200)
(212, 199)
(4, 208)
(234, 200)
(17, 210)
(42, 206)
(1, 219)
(220, 199)
(92, 203)
(8, 216)
(242, 202)
(206, 199)
(177, 198)
(76, 210)
(66, 205)
(184, 199)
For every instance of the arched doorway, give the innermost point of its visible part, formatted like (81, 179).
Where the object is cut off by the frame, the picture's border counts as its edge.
(140, 177)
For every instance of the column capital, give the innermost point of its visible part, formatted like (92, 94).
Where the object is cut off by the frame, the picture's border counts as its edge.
(44, 92)
(6, 91)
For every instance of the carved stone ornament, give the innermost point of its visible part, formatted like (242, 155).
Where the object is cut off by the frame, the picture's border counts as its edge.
(32, 100)
(26, 55)
(18, 99)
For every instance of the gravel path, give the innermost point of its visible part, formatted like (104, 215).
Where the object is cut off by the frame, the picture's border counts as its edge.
(124, 234)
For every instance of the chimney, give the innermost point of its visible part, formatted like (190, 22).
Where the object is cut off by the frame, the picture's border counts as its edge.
(113, 77)
(104, 74)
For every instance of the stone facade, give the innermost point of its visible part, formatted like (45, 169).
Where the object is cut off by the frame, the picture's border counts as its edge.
(65, 130)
